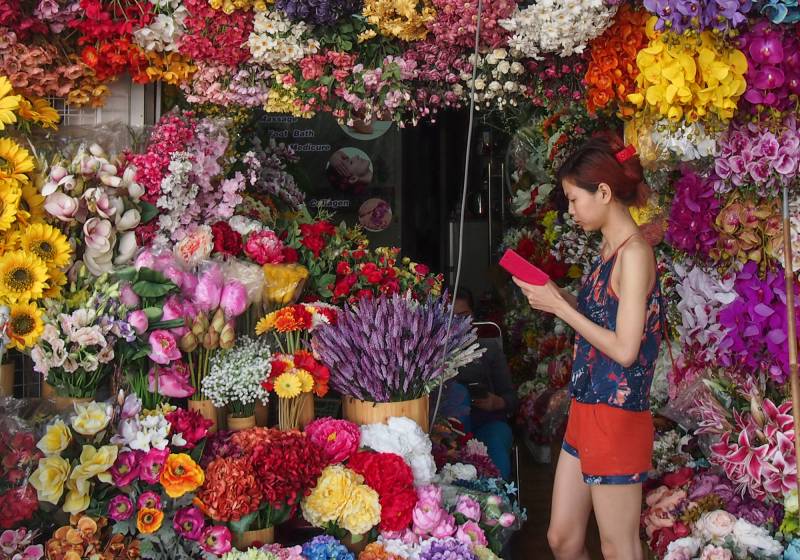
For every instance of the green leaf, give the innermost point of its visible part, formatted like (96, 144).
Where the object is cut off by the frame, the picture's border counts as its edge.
(346, 28)
(153, 313)
(170, 324)
(347, 45)
(153, 276)
(148, 211)
(128, 273)
(244, 523)
(149, 289)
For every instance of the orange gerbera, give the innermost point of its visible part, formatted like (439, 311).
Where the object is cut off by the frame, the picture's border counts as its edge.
(292, 318)
(181, 475)
(149, 520)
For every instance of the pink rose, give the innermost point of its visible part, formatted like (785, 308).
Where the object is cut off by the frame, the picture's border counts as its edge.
(712, 552)
(61, 206)
(427, 515)
(173, 381)
(469, 508)
(138, 321)
(445, 528)
(471, 533)
(128, 297)
(715, 525)
(98, 235)
(163, 347)
(264, 247)
(338, 439)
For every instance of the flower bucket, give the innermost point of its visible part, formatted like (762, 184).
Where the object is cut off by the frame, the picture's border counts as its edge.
(262, 415)
(7, 380)
(245, 540)
(367, 412)
(207, 409)
(239, 423)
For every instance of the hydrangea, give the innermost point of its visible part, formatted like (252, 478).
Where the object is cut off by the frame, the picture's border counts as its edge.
(446, 549)
(325, 547)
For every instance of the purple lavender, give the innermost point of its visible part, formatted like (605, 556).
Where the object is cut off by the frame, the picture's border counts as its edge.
(446, 549)
(319, 12)
(393, 348)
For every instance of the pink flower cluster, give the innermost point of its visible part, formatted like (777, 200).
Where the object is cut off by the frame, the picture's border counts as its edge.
(692, 215)
(247, 86)
(455, 23)
(439, 68)
(555, 78)
(37, 70)
(773, 66)
(338, 439)
(214, 36)
(431, 519)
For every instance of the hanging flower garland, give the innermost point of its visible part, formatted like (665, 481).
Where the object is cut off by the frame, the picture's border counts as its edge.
(277, 42)
(214, 36)
(455, 23)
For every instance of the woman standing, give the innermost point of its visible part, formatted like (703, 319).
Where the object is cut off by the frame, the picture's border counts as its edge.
(617, 317)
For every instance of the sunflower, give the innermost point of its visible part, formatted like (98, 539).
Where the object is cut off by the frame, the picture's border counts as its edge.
(25, 325)
(23, 276)
(9, 202)
(15, 161)
(31, 205)
(47, 243)
(38, 111)
(56, 279)
(287, 386)
(8, 103)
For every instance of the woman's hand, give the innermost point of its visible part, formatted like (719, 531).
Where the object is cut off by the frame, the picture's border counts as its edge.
(547, 298)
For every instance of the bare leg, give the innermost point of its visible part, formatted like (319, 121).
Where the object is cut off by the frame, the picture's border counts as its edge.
(618, 508)
(569, 513)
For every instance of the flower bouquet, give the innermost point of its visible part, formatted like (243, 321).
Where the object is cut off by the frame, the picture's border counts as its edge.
(18, 500)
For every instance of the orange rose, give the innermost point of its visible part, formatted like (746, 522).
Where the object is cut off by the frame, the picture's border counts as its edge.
(148, 520)
(181, 475)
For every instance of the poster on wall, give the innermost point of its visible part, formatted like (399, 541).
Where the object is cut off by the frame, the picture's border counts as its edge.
(352, 172)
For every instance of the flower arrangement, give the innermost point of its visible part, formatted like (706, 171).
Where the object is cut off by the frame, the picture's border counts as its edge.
(454, 23)
(291, 377)
(390, 476)
(560, 27)
(291, 326)
(376, 369)
(719, 533)
(452, 445)
(403, 437)
(235, 377)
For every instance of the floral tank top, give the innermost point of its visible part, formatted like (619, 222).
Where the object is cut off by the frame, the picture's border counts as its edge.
(596, 378)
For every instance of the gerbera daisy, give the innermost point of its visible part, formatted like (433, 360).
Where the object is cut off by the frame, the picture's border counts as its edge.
(9, 202)
(47, 243)
(306, 380)
(31, 205)
(39, 111)
(8, 103)
(23, 276)
(287, 386)
(56, 279)
(266, 323)
(15, 161)
(25, 325)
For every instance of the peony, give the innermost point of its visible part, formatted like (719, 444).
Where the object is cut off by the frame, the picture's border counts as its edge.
(195, 247)
(190, 424)
(472, 534)
(163, 347)
(209, 289)
(338, 439)
(181, 475)
(264, 247)
(91, 418)
(55, 439)
(329, 498)
(173, 380)
(233, 299)
(362, 510)
(427, 515)
(138, 321)
(715, 525)
(445, 528)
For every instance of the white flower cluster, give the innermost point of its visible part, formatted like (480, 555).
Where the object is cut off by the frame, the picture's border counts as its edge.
(399, 548)
(575, 246)
(719, 529)
(497, 80)
(145, 432)
(688, 142)
(668, 453)
(178, 193)
(403, 437)
(564, 27)
(235, 375)
(167, 26)
(278, 42)
(456, 471)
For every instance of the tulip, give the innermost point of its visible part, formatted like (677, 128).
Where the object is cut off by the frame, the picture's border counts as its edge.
(138, 321)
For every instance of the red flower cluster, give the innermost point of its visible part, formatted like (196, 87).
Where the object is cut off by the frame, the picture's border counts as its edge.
(390, 476)
(190, 424)
(214, 36)
(230, 490)
(17, 505)
(226, 240)
(287, 468)
(100, 20)
(109, 59)
(20, 456)
(315, 236)
(300, 360)
(22, 24)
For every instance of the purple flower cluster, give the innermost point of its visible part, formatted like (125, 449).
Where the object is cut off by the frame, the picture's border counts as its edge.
(268, 172)
(694, 210)
(751, 154)
(446, 549)
(319, 12)
(751, 510)
(757, 323)
(391, 348)
(773, 66)
(684, 15)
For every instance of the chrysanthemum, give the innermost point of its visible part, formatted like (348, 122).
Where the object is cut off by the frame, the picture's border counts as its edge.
(8, 103)
(31, 205)
(9, 202)
(23, 276)
(47, 243)
(39, 111)
(287, 386)
(25, 324)
(55, 281)
(15, 161)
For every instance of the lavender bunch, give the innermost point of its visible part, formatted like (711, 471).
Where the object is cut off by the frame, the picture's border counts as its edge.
(319, 12)
(392, 348)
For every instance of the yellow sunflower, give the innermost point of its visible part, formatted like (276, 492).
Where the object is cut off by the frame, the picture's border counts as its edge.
(47, 243)
(8, 103)
(25, 324)
(15, 161)
(56, 279)
(9, 202)
(23, 276)
(39, 111)
(287, 386)
(306, 380)
(31, 205)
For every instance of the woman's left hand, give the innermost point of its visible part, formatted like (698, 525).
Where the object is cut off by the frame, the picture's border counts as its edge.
(545, 298)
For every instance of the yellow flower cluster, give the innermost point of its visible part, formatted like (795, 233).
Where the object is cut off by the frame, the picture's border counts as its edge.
(171, 68)
(404, 19)
(283, 98)
(688, 78)
(341, 497)
(229, 6)
(283, 283)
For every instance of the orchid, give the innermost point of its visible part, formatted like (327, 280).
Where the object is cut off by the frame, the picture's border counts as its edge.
(773, 72)
(694, 208)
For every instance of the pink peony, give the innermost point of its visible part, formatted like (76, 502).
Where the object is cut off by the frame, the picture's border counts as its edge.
(430, 493)
(338, 439)
(209, 289)
(173, 381)
(138, 321)
(472, 534)
(174, 309)
(427, 515)
(233, 299)
(163, 347)
(264, 247)
(445, 528)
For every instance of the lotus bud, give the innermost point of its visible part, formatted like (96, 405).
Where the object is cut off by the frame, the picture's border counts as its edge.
(188, 342)
(210, 340)
(228, 337)
(200, 325)
(218, 321)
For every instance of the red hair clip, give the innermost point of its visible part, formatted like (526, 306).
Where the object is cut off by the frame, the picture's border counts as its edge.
(625, 154)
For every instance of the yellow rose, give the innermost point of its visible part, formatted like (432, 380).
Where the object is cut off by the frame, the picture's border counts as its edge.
(55, 439)
(362, 511)
(77, 496)
(95, 462)
(49, 478)
(92, 417)
(328, 499)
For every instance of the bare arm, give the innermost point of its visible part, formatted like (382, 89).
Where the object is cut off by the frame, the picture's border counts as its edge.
(569, 297)
(637, 272)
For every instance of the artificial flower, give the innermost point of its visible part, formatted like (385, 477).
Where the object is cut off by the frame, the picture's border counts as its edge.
(189, 523)
(8, 103)
(181, 475)
(95, 462)
(47, 243)
(25, 325)
(23, 276)
(338, 439)
(16, 163)
(216, 539)
(90, 418)
(120, 508)
(49, 478)
(149, 520)
(10, 195)
(56, 438)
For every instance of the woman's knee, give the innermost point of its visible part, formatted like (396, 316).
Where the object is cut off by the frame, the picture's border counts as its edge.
(565, 542)
(618, 548)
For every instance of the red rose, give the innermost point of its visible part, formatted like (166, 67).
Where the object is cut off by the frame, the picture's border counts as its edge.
(190, 424)
(313, 243)
(344, 285)
(342, 268)
(525, 248)
(372, 273)
(323, 228)
(289, 255)
(226, 240)
(397, 509)
(358, 254)
(390, 272)
(390, 287)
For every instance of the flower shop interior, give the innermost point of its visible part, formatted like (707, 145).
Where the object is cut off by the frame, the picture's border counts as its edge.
(251, 300)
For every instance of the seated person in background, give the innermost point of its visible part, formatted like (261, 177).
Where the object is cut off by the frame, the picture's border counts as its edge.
(493, 398)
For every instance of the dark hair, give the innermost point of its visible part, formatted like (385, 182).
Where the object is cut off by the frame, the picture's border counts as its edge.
(466, 295)
(595, 162)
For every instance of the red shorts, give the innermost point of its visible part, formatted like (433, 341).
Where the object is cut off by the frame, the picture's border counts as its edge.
(614, 446)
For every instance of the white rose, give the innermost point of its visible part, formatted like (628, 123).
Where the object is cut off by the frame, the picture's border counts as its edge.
(495, 86)
(500, 54)
(716, 525)
(504, 67)
(683, 549)
(480, 83)
(491, 59)
(517, 68)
